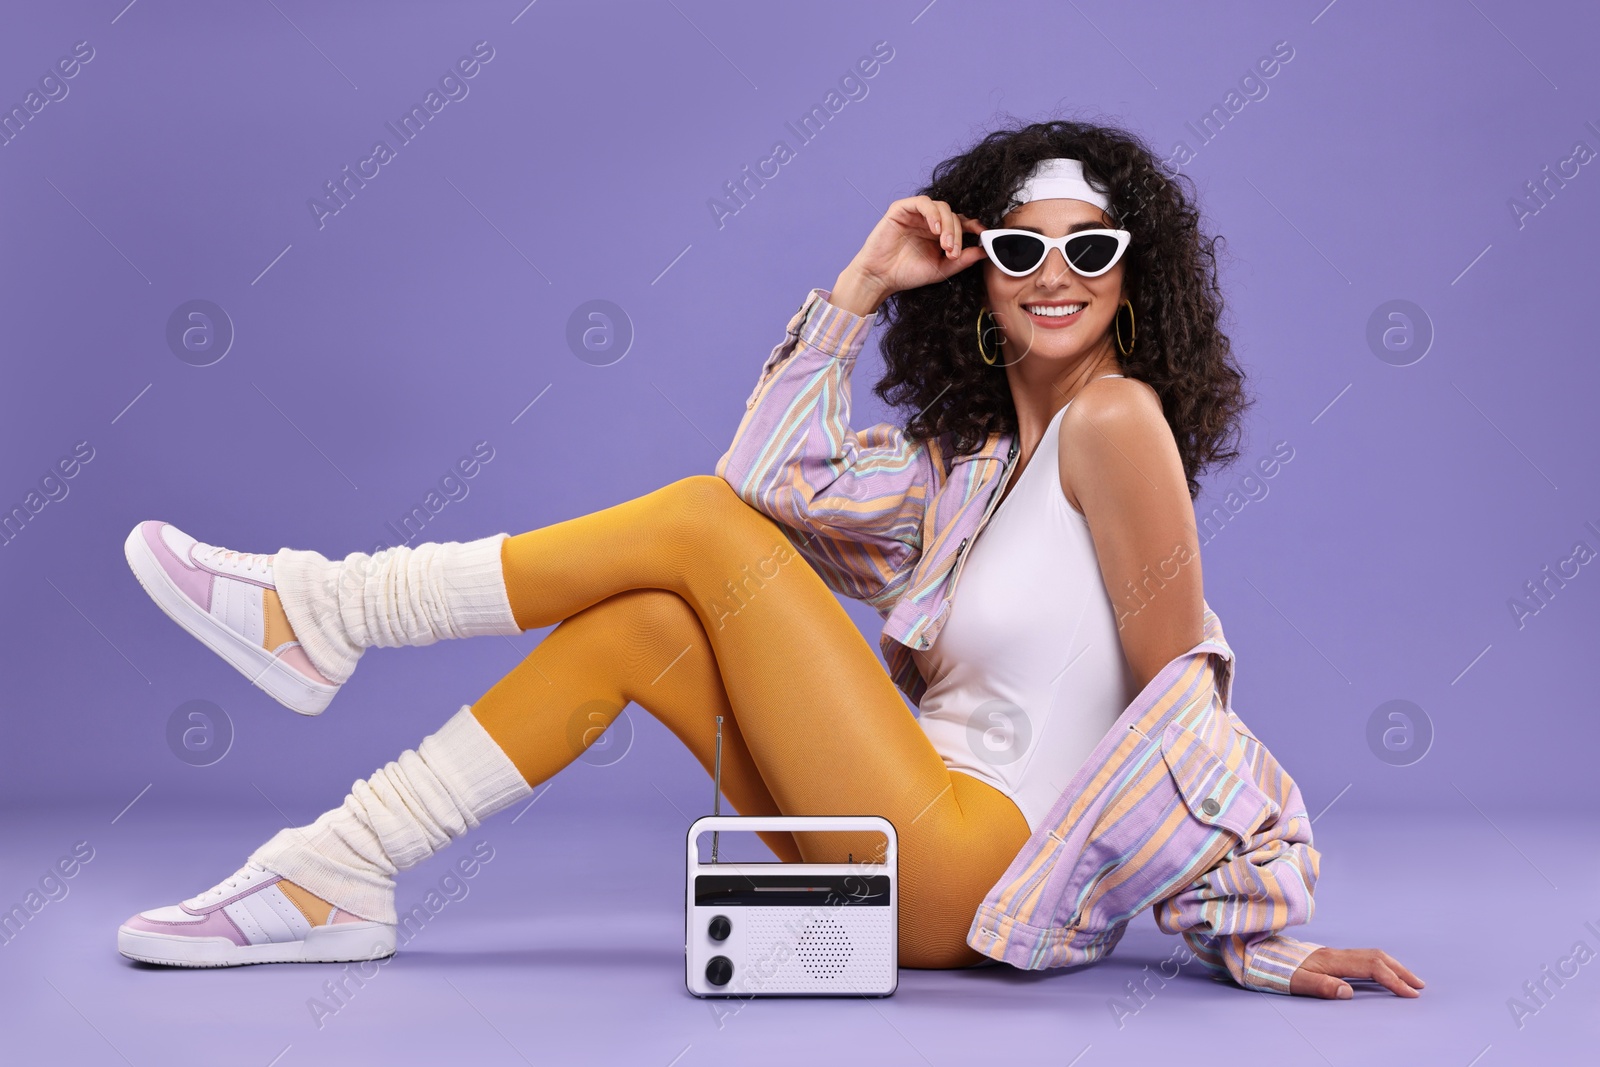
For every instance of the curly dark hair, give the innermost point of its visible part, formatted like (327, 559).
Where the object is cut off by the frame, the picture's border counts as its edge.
(930, 346)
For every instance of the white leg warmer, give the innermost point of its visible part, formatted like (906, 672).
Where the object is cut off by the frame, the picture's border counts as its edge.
(408, 810)
(399, 596)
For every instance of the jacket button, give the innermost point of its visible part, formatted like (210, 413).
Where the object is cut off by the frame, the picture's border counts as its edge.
(1210, 806)
(961, 547)
(924, 642)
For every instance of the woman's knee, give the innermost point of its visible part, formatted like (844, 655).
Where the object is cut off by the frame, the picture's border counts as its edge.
(661, 616)
(709, 506)
(709, 488)
(637, 620)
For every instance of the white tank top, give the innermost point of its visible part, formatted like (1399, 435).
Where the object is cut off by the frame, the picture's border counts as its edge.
(1028, 673)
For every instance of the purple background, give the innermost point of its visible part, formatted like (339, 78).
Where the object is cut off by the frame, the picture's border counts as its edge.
(379, 348)
(432, 311)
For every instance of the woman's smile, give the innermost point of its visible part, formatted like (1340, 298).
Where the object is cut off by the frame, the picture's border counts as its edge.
(1055, 314)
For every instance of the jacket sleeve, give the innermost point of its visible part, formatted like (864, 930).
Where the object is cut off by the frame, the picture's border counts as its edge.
(1263, 962)
(1233, 915)
(854, 499)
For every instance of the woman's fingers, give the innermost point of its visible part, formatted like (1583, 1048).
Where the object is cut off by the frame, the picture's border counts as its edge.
(949, 231)
(943, 224)
(1378, 966)
(896, 252)
(1323, 972)
(928, 208)
(1367, 964)
(1384, 975)
(1396, 966)
(1306, 983)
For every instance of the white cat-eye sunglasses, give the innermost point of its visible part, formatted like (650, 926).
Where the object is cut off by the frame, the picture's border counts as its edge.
(1019, 253)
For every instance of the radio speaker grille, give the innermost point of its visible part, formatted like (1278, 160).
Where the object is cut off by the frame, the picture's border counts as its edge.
(824, 948)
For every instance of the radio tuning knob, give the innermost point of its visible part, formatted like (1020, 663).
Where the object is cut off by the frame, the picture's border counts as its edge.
(720, 928)
(719, 970)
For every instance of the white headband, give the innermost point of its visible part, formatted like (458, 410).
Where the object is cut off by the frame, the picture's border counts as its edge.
(1058, 179)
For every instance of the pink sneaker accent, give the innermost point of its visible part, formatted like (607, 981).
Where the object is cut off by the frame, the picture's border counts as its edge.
(217, 595)
(213, 923)
(292, 654)
(194, 582)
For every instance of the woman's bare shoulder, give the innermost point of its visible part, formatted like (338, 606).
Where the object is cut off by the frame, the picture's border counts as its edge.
(1115, 423)
(1116, 407)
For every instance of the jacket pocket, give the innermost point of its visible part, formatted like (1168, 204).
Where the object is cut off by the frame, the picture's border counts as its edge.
(1213, 794)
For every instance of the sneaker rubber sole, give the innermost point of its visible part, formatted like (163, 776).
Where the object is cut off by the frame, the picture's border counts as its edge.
(339, 943)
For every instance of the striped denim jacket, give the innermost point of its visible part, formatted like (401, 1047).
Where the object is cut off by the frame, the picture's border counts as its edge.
(1180, 807)
(882, 518)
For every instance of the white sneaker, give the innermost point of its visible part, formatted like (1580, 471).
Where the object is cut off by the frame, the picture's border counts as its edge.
(252, 917)
(221, 597)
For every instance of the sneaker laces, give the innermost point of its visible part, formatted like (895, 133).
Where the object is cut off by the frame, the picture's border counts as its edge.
(250, 872)
(249, 562)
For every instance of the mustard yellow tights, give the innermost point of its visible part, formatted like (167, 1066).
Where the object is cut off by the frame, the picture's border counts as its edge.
(690, 603)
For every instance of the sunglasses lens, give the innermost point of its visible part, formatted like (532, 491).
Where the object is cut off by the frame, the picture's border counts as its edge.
(1092, 252)
(1018, 251)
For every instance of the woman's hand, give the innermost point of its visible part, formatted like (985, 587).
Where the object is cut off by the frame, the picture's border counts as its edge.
(917, 242)
(1321, 973)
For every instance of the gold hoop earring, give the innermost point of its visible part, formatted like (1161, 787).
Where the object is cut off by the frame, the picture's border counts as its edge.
(1133, 331)
(981, 351)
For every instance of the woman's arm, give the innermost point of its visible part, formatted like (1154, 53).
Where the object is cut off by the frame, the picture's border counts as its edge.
(857, 498)
(1120, 467)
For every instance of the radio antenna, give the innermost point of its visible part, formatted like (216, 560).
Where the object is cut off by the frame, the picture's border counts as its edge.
(716, 788)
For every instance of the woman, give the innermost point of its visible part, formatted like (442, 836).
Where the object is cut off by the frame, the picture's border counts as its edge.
(714, 595)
